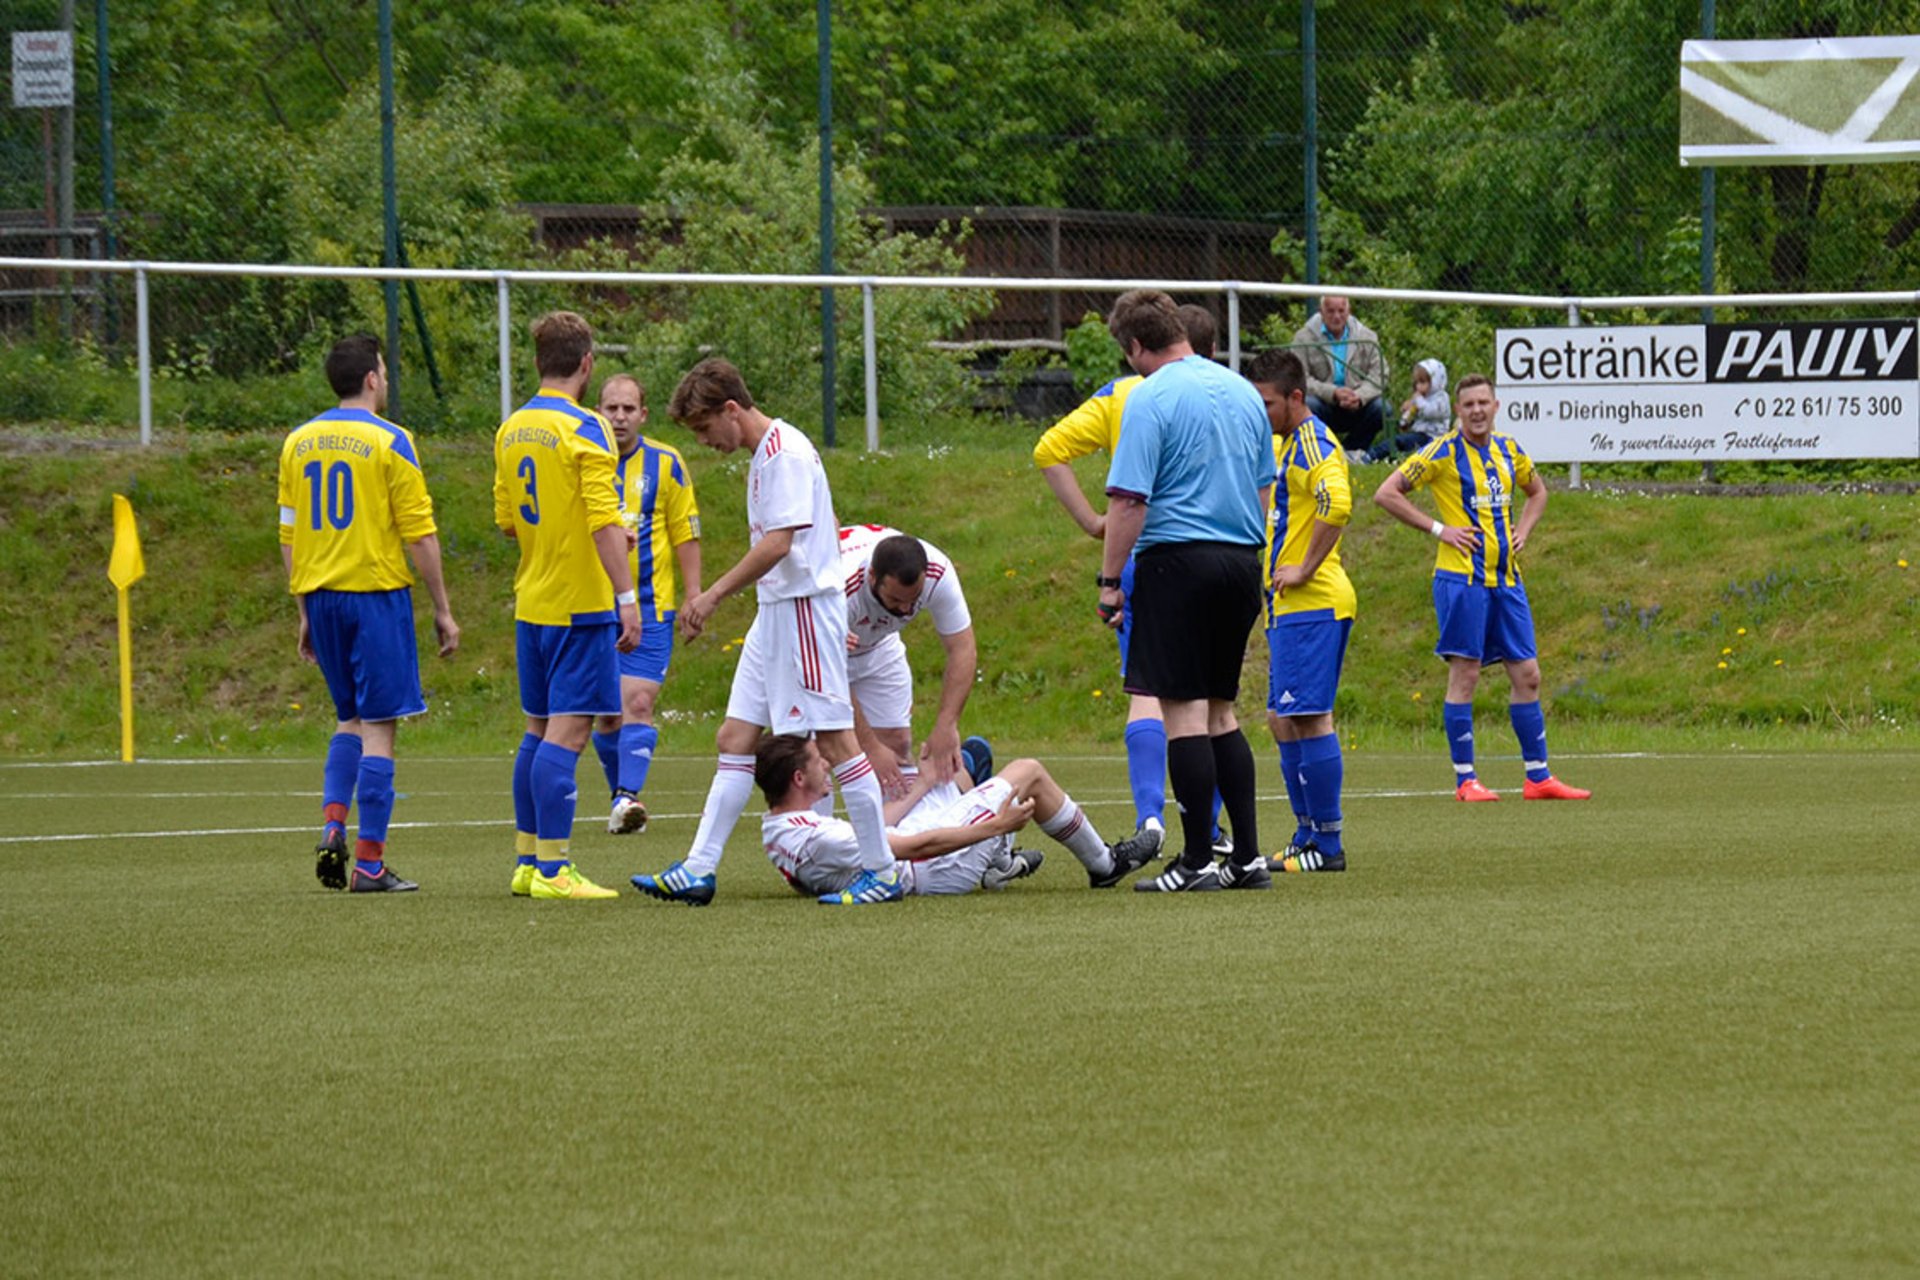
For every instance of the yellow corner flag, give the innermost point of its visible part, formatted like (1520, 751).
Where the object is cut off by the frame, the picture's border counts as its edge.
(127, 567)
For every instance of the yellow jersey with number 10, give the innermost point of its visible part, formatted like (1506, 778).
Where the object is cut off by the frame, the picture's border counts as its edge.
(351, 496)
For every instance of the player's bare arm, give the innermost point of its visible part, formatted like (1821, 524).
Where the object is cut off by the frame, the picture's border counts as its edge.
(886, 765)
(610, 541)
(1392, 498)
(896, 809)
(1320, 544)
(1066, 487)
(760, 558)
(1126, 516)
(304, 642)
(922, 845)
(940, 753)
(1536, 506)
(425, 554)
(687, 556)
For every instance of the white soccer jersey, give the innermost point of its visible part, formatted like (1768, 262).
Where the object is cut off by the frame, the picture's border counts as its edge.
(787, 489)
(868, 621)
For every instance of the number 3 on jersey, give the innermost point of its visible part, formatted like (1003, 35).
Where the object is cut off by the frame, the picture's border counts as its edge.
(339, 493)
(530, 509)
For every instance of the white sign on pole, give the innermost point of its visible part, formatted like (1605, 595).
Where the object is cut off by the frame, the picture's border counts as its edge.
(42, 69)
(1705, 392)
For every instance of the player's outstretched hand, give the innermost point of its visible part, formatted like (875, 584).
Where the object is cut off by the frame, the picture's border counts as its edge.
(694, 615)
(1013, 815)
(448, 632)
(886, 770)
(940, 754)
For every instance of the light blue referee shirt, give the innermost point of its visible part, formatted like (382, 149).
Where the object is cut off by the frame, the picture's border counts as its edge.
(1196, 446)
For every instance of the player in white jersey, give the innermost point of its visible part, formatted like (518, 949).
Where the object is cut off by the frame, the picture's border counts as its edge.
(891, 579)
(947, 841)
(792, 674)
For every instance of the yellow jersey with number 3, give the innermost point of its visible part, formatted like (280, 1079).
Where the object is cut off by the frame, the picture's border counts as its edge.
(1313, 487)
(351, 495)
(1473, 486)
(553, 488)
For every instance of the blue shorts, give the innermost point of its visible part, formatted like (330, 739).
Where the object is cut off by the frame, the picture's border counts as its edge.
(651, 658)
(1305, 652)
(1124, 632)
(569, 671)
(364, 640)
(1487, 624)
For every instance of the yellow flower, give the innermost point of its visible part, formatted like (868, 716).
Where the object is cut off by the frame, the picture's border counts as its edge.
(1099, 693)
(1901, 563)
(1013, 573)
(1724, 653)
(1742, 631)
(1722, 666)
(1779, 662)
(739, 639)
(1416, 697)
(293, 706)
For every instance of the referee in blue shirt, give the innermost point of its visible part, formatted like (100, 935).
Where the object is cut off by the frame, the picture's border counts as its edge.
(1186, 497)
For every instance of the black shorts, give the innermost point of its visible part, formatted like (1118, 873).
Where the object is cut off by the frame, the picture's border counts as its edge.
(1193, 606)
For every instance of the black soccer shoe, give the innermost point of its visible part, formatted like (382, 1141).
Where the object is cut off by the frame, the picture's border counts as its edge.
(1128, 857)
(1245, 875)
(1180, 878)
(331, 866)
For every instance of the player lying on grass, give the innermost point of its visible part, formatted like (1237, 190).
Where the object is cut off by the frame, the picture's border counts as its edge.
(943, 840)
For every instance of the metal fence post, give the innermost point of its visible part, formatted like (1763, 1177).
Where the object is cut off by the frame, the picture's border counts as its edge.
(504, 312)
(1233, 325)
(144, 346)
(870, 348)
(1573, 468)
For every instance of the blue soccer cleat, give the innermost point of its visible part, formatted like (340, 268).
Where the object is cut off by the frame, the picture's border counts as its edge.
(677, 884)
(868, 887)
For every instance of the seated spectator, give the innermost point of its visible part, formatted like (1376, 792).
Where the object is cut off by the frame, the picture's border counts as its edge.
(1346, 372)
(1426, 415)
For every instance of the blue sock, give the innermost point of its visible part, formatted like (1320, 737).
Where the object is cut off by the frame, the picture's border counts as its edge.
(1530, 726)
(554, 795)
(1296, 791)
(1216, 815)
(1458, 718)
(373, 868)
(1321, 771)
(637, 742)
(523, 810)
(376, 797)
(607, 747)
(1147, 768)
(343, 766)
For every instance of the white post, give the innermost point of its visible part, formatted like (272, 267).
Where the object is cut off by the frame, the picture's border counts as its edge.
(504, 310)
(869, 347)
(1573, 468)
(143, 344)
(1233, 327)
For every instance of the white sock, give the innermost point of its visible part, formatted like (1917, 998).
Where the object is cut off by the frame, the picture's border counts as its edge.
(726, 801)
(860, 793)
(1072, 828)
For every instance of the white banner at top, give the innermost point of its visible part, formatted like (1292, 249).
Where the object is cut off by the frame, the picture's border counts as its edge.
(1851, 100)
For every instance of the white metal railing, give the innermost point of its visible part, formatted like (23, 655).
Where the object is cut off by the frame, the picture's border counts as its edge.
(1233, 290)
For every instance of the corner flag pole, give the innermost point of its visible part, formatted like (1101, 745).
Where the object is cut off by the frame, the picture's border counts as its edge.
(127, 566)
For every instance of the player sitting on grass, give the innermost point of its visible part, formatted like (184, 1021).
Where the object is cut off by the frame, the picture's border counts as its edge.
(944, 841)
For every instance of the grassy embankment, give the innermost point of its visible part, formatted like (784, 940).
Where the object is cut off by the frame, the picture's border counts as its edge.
(1805, 599)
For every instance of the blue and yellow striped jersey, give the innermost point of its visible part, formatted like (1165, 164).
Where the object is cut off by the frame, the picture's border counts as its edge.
(351, 496)
(656, 490)
(1093, 426)
(1474, 487)
(1313, 486)
(553, 488)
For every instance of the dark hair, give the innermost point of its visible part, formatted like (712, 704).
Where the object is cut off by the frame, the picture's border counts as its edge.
(706, 387)
(1202, 333)
(1279, 368)
(900, 557)
(1472, 380)
(349, 363)
(775, 760)
(561, 340)
(1146, 316)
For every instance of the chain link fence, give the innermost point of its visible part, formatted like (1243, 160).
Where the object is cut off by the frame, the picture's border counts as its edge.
(1526, 148)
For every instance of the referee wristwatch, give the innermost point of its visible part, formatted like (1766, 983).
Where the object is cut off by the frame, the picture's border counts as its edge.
(1101, 580)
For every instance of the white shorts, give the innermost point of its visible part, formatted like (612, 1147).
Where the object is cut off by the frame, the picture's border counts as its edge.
(882, 684)
(792, 675)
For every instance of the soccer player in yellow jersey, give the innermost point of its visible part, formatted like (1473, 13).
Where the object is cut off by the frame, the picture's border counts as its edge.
(351, 495)
(656, 503)
(1478, 596)
(1310, 606)
(575, 608)
(1092, 427)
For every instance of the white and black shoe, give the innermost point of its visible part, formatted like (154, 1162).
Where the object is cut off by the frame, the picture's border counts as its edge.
(1128, 857)
(1020, 864)
(1244, 875)
(1223, 845)
(1180, 878)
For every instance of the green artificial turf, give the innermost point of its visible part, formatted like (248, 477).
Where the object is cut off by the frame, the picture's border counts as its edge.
(1669, 1031)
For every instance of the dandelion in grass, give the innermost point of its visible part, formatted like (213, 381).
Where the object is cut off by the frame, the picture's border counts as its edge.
(1726, 653)
(1099, 693)
(1741, 631)
(1721, 665)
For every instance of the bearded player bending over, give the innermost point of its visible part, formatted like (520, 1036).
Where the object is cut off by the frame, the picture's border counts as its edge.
(944, 841)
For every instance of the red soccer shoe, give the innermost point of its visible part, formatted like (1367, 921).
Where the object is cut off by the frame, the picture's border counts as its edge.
(1473, 791)
(1553, 789)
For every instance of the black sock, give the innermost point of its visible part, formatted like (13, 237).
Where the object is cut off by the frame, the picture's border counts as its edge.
(1234, 772)
(1190, 767)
